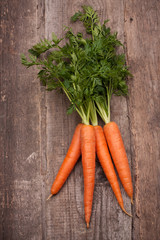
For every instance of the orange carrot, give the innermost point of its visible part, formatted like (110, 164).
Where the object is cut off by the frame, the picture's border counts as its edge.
(107, 165)
(88, 162)
(118, 153)
(69, 162)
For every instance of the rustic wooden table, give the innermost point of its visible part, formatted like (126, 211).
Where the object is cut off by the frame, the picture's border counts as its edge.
(35, 131)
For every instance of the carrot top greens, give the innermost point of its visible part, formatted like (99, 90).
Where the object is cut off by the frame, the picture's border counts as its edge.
(89, 70)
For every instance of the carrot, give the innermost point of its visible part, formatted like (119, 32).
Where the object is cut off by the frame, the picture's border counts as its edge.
(107, 165)
(118, 153)
(88, 162)
(69, 162)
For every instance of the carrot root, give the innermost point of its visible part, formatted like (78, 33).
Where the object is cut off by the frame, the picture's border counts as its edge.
(88, 162)
(119, 156)
(106, 163)
(126, 212)
(49, 197)
(132, 199)
(69, 162)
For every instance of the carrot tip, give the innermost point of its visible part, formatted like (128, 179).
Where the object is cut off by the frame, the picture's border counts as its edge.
(49, 197)
(126, 212)
(132, 200)
(87, 225)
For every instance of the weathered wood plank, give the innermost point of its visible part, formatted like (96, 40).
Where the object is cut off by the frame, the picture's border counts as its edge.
(19, 122)
(36, 132)
(65, 211)
(142, 22)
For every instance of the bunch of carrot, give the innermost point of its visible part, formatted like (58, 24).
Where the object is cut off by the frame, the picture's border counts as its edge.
(89, 140)
(88, 71)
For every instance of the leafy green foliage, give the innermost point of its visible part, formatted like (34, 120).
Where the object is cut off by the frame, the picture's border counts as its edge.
(76, 16)
(88, 70)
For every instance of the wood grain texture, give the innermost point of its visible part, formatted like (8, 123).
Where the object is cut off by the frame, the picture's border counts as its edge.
(65, 211)
(20, 131)
(35, 131)
(142, 28)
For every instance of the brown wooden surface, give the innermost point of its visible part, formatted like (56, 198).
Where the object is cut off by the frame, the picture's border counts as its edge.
(35, 131)
(142, 31)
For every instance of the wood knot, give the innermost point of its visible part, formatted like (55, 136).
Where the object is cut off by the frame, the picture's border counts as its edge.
(131, 19)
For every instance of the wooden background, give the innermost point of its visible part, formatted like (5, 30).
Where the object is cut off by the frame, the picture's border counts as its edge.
(35, 131)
